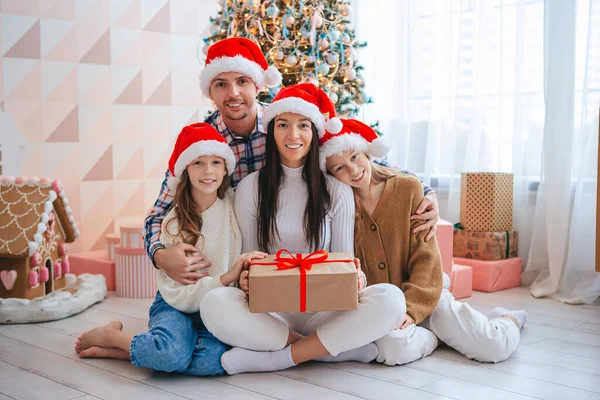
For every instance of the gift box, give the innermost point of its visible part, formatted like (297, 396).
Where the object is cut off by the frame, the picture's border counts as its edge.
(134, 273)
(487, 246)
(461, 285)
(112, 239)
(131, 236)
(486, 201)
(305, 282)
(491, 276)
(444, 239)
(94, 262)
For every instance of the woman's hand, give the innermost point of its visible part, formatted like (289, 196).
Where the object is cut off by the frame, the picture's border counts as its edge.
(362, 279)
(244, 281)
(242, 263)
(405, 323)
(428, 211)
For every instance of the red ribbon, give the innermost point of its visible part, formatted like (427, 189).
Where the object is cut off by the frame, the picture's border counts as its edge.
(304, 263)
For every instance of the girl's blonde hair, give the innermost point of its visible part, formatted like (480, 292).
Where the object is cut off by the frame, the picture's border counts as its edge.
(187, 214)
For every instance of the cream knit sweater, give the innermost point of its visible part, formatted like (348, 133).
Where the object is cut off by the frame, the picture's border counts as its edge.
(221, 245)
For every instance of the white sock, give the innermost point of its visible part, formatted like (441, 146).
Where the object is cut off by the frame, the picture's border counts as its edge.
(364, 354)
(238, 360)
(520, 315)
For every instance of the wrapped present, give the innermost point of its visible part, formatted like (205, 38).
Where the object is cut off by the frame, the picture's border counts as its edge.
(491, 276)
(112, 239)
(131, 236)
(444, 239)
(486, 201)
(461, 285)
(315, 282)
(94, 262)
(135, 274)
(487, 246)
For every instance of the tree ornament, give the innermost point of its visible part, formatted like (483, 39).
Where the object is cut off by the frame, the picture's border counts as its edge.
(279, 55)
(289, 21)
(324, 44)
(310, 59)
(346, 38)
(287, 43)
(277, 34)
(316, 20)
(334, 35)
(323, 69)
(350, 73)
(333, 97)
(332, 58)
(291, 60)
(272, 11)
(346, 10)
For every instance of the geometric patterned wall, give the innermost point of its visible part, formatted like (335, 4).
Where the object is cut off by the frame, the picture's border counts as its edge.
(99, 89)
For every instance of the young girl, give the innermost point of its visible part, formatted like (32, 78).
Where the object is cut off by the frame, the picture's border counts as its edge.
(291, 204)
(385, 200)
(202, 216)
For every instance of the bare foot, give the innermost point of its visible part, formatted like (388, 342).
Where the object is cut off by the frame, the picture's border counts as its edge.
(103, 352)
(97, 336)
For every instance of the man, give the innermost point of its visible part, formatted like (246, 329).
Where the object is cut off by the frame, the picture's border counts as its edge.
(235, 71)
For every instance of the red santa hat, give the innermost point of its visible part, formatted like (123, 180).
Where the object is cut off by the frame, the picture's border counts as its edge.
(308, 100)
(194, 141)
(238, 55)
(354, 135)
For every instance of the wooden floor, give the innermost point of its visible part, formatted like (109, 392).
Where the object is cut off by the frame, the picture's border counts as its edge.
(558, 358)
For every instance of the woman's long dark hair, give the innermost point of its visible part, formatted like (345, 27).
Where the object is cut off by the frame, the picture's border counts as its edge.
(270, 179)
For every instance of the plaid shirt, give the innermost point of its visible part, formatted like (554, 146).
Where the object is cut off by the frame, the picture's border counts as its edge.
(249, 153)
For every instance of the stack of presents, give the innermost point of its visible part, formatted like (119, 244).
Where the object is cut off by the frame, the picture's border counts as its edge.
(123, 262)
(483, 248)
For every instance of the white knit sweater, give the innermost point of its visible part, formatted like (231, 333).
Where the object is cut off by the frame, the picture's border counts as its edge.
(221, 246)
(338, 232)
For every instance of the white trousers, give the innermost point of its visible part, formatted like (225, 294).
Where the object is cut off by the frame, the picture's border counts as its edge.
(459, 326)
(225, 314)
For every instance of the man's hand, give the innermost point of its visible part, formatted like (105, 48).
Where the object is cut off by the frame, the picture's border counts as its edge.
(406, 322)
(180, 267)
(428, 211)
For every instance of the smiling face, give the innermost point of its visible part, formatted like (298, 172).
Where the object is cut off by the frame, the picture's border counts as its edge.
(293, 135)
(206, 174)
(234, 94)
(352, 168)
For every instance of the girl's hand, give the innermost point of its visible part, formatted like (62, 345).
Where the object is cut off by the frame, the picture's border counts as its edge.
(362, 279)
(242, 262)
(405, 323)
(244, 281)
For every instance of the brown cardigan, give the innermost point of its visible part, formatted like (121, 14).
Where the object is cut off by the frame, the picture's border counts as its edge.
(390, 253)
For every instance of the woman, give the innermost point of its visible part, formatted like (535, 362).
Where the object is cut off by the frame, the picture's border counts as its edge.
(389, 253)
(202, 216)
(291, 204)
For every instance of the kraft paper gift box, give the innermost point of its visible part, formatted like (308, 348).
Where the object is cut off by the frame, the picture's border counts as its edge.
(444, 238)
(328, 286)
(491, 276)
(486, 201)
(461, 285)
(94, 262)
(487, 246)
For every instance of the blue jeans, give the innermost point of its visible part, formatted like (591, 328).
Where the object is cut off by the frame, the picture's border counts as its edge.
(177, 342)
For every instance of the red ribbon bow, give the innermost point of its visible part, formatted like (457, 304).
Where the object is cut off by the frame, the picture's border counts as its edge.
(304, 263)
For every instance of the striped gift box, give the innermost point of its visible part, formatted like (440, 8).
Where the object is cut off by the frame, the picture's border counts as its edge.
(135, 277)
(131, 236)
(112, 239)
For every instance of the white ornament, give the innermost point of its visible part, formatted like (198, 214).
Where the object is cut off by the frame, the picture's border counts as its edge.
(333, 97)
(316, 20)
(287, 43)
(332, 58)
(289, 21)
(323, 69)
(350, 73)
(272, 11)
(346, 38)
(279, 55)
(324, 43)
(334, 35)
(305, 32)
(310, 59)
(291, 60)
(346, 10)
(277, 35)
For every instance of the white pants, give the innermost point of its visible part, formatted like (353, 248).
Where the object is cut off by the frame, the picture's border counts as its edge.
(459, 326)
(225, 314)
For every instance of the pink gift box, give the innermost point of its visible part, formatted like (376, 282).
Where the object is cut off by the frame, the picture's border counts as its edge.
(94, 262)
(445, 239)
(461, 285)
(131, 236)
(491, 276)
(135, 274)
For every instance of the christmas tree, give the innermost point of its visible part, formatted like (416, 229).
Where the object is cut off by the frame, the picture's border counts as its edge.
(307, 40)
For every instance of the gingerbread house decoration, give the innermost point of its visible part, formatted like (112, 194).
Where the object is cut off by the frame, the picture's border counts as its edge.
(36, 224)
